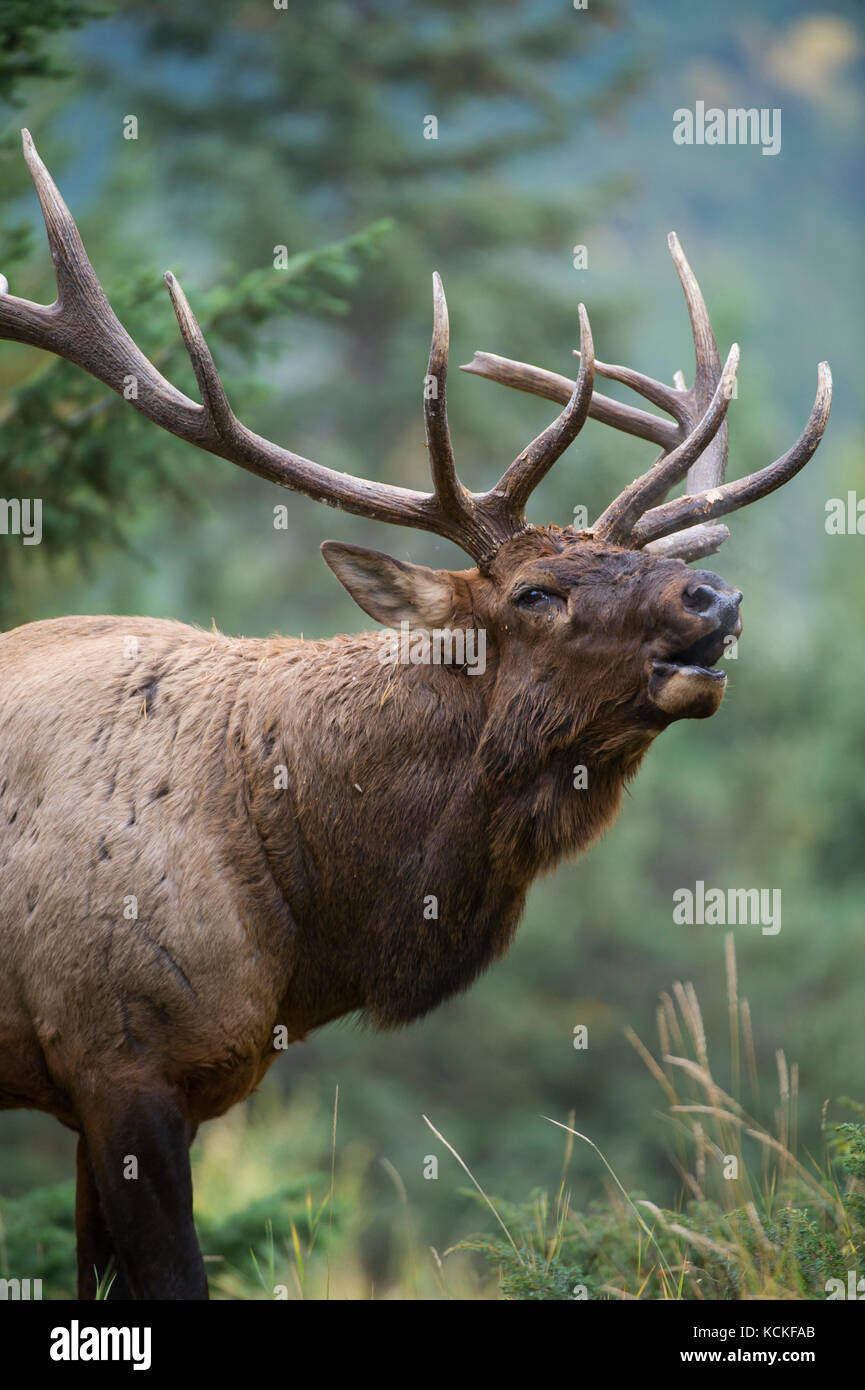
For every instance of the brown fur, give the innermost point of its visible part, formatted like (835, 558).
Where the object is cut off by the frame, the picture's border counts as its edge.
(258, 906)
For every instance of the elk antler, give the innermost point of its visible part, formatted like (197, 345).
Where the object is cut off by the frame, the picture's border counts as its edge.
(697, 444)
(82, 327)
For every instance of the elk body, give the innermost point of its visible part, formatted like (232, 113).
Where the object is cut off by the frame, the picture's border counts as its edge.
(204, 840)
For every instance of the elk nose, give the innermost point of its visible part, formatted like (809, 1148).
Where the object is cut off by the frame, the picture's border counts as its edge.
(721, 605)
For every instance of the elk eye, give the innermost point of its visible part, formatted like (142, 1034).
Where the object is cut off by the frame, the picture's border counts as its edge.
(533, 598)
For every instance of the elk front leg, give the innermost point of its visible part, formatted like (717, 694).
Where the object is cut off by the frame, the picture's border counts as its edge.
(136, 1201)
(94, 1247)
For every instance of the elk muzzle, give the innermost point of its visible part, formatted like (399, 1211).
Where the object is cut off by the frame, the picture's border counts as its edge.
(685, 683)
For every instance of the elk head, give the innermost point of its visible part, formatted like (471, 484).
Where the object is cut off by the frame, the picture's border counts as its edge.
(607, 620)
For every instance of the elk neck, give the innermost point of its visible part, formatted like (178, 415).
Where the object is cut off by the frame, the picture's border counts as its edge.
(404, 811)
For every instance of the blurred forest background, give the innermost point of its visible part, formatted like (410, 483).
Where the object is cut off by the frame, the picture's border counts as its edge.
(304, 127)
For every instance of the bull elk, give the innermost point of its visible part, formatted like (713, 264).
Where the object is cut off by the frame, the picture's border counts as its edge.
(147, 774)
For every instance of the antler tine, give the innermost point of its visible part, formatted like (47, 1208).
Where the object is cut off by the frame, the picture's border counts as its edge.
(81, 325)
(616, 523)
(711, 469)
(705, 506)
(448, 489)
(76, 279)
(669, 398)
(519, 481)
(707, 357)
(687, 406)
(211, 388)
(536, 381)
(689, 545)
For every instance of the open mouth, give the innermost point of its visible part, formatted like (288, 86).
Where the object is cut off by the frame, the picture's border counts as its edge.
(699, 659)
(684, 683)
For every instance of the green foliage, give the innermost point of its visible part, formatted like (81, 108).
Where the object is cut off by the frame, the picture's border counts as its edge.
(249, 1249)
(24, 29)
(721, 1254)
(542, 1260)
(730, 1236)
(37, 1239)
(270, 1241)
(30, 40)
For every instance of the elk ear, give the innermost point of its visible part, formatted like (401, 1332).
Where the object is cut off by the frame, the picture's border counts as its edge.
(391, 591)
